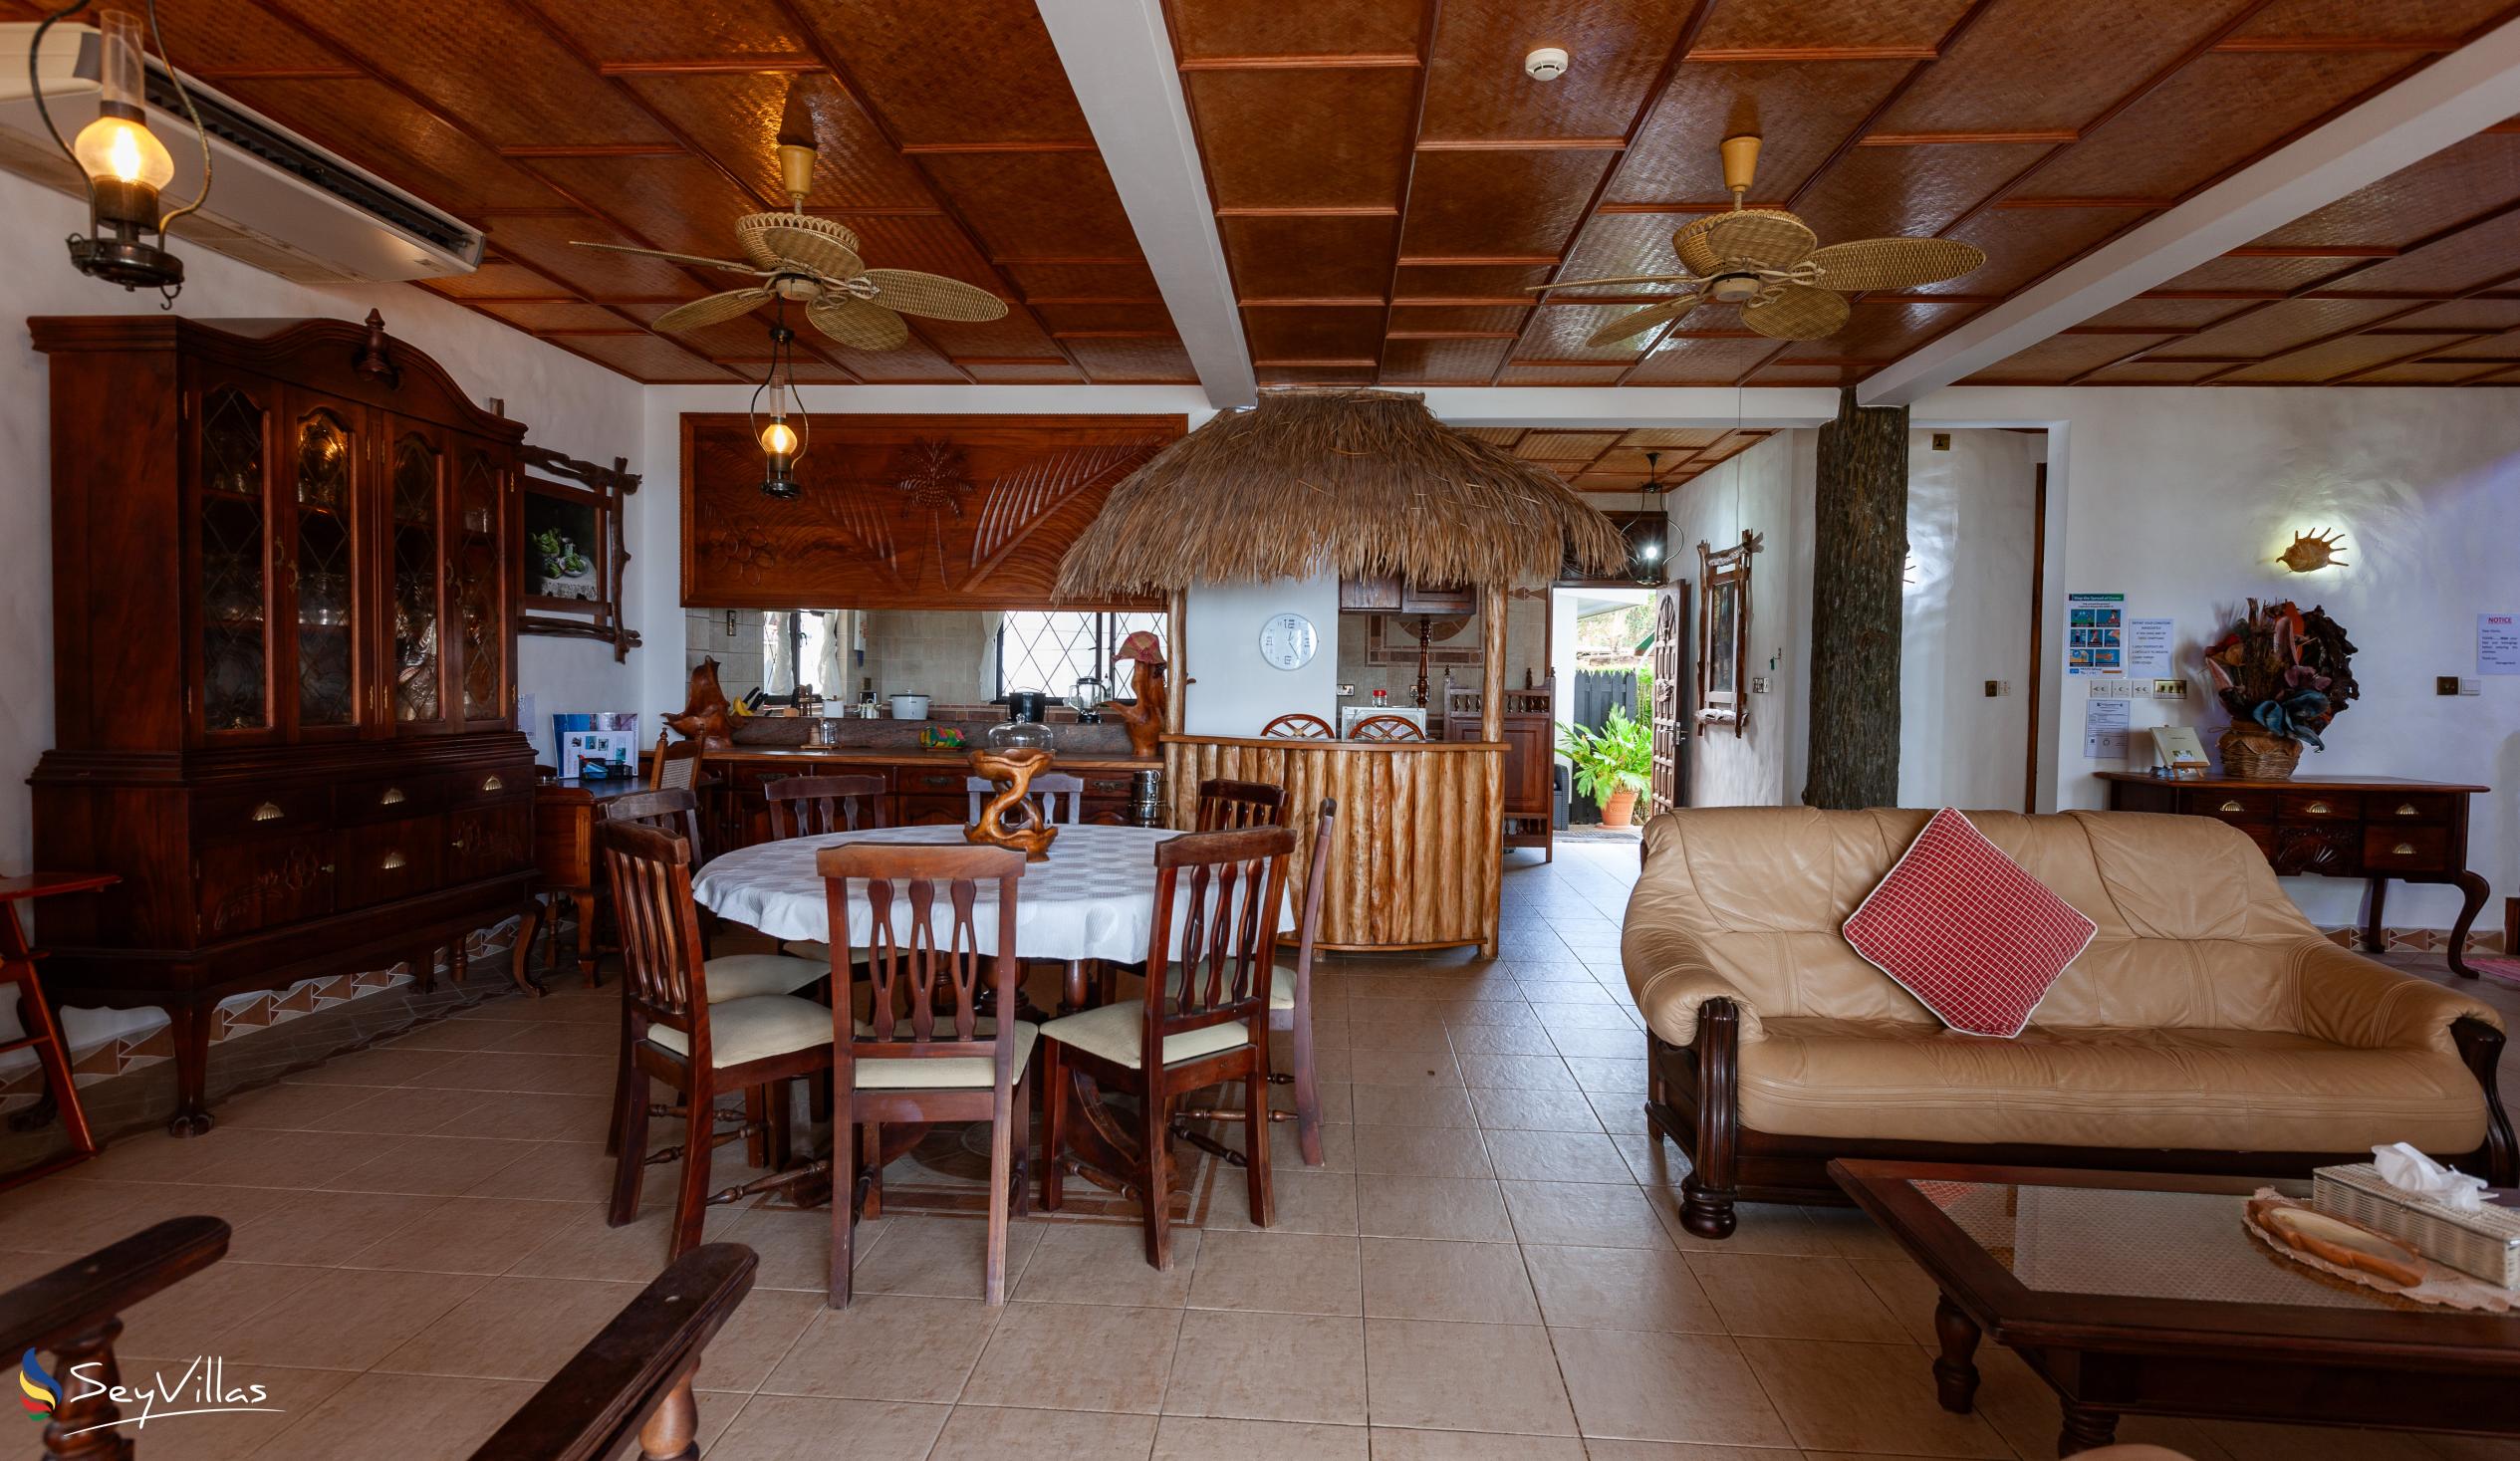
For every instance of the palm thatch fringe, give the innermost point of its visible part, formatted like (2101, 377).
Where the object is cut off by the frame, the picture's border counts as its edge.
(1361, 483)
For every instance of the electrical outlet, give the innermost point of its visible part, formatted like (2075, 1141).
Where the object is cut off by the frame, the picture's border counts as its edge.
(1943, 441)
(2471, 685)
(1997, 688)
(2447, 684)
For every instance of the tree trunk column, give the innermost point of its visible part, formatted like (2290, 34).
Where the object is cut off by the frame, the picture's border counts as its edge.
(1859, 567)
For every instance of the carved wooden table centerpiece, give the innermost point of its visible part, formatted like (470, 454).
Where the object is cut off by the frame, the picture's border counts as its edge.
(1012, 819)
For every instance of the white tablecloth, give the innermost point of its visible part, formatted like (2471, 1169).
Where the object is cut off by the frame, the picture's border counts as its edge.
(1095, 898)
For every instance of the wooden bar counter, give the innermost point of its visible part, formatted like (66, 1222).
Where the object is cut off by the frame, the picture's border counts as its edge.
(923, 787)
(1416, 861)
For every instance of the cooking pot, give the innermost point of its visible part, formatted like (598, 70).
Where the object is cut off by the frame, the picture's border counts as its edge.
(910, 707)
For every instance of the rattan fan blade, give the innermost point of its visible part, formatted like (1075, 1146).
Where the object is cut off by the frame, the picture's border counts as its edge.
(859, 325)
(1614, 278)
(1629, 326)
(1894, 263)
(1799, 312)
(661, 254)
(732, 305)
(933, 296)
(1769, 237)
(811, 250)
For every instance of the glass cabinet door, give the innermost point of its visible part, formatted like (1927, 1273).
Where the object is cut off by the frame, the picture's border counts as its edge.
(233, 518)
(417, 666)
(322, 568)
(480, 585)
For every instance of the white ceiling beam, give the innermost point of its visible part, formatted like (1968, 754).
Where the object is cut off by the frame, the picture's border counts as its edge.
(1118, 58)
(2455, 98)
(1620, 407)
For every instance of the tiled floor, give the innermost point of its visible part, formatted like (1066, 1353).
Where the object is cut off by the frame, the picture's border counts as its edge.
(1490, 1264)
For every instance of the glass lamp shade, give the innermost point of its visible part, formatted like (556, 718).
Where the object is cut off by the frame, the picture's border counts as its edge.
(128, 165)
(779, 439)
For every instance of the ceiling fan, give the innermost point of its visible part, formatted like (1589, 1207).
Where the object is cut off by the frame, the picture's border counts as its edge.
(1771, 264)
(814, 262)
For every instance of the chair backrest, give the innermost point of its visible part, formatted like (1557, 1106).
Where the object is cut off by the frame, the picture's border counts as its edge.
(808, 806)
(649, 875)
(1058, 796)
(1316, 879)
(1224, 805)
(1217, 897)
(1385, 728)
(925, 970)
(1299, 727)
(676, 810)
(674, 764)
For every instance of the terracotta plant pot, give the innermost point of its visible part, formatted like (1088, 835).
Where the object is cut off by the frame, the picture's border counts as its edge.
(1621, 808)
(2255, 755)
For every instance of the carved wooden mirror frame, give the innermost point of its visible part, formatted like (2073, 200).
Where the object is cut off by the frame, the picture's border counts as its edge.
(1723, 633)
(583, 492)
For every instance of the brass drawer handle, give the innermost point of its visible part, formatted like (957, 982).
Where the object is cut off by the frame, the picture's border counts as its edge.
(393, 861)
(2402, 849)
(2317, 809)
(392, 797)
(492, 784)
(2233, 807)
(2405, 809)
(269, 811)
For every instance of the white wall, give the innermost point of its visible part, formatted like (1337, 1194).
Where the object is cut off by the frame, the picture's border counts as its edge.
(1237, 692)
(1966, 619)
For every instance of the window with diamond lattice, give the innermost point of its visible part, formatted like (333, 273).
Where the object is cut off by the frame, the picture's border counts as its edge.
(1053, 651)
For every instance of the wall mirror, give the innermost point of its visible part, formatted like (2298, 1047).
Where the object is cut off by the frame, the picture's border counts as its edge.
(575, 556)
(1723, 633)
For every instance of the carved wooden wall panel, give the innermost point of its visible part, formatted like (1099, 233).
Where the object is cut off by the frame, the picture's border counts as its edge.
(902, 512)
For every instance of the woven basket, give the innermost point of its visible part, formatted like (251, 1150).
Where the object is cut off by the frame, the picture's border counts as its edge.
(2254, 755)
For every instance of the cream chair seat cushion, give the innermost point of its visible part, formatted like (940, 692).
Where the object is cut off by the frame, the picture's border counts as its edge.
(1116, 1031)
(754, 1027)
(741, 976)
(943, 1073)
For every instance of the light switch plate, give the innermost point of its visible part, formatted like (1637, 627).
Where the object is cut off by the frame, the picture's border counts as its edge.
(1758, 684)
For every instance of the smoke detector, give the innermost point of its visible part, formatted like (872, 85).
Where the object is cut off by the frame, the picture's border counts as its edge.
(1546, 64)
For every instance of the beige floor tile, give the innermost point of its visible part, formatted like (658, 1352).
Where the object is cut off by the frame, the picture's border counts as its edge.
(1584, 1214)
(797, 1428)
(2243, 1441)
(793, 1246)
(1338, 1151)
(1469, 1209)
(1651, 1162)
(1106, 1263)
(1387, 1027)
(1534, 1111)
(69, 1217)
(1075, 1356)
(398, 1066)
(405, 1111)
(1759, 1227)
(1474, 1283)
(1875, 1399)
(288, 1397)
(588, 1247)
(1557, 1156)
(1406, 1066)
(1284, 1272)
(1269, 1367)
(1619, 1289)
(412, 1418)
(341, 1318)
(886, 1347)
(1666, 1387)
(562, 1038)
(757, 1337)
(1462, 1445)
(1190, 1438)
(942, 1257)
(290, 1107)
(439, 1166)
(1410, 1105)
(1523, 1039)
(1464, 1376)
(1307, 1199)
(1515, 1071)
(985, 1433)
(1421, 1151)
(277, 1159)
(1586, 1016)
(492, 1070)
(512, 1328)
(195, 1316)
(1784, 1296)
(1624, 1116)
(1905, 1289)
(1852, 1233)
(1611, 1043)
(557, 1172)
(533, 1116)
(1623, 1078)
(1608, 1450)
(464, 1032)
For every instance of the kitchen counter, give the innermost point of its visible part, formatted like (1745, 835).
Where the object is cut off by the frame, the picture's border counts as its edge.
(1078, 763)
(921, 788)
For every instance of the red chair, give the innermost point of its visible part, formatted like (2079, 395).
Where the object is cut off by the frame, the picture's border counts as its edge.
(1385, 728)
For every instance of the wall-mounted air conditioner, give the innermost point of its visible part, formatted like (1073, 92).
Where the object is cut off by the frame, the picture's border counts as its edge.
(279, 203)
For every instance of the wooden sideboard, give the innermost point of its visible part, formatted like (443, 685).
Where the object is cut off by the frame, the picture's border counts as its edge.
(2375, 827)
(286, 555)
(1530, 734)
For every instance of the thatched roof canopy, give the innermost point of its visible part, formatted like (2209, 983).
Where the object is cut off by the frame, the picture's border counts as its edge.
(1361, 483)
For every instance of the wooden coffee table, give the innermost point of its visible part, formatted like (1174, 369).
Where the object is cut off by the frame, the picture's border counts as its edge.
(2140, 1294)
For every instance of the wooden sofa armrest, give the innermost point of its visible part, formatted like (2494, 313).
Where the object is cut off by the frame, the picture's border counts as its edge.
(2351, 1000)
(1672, 981)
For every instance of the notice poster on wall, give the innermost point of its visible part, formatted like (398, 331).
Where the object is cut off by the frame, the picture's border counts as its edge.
(2149, 644)
(2498, 644)
(2095, 634)
(2105, 725)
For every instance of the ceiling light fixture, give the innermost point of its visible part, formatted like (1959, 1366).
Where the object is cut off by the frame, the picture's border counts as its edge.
(783, 433)
(1646, 533)
(124, 162)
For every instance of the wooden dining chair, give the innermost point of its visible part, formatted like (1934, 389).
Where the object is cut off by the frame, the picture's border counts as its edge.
(1385, 728)
(924, 1052)
(674, 764)
(1224, 805)
(679, 1036)
(1299, 727)
(1217, 897)
(809, 806)
(1059, 795)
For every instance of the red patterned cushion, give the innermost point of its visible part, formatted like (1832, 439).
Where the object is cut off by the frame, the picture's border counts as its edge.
(1964, 929)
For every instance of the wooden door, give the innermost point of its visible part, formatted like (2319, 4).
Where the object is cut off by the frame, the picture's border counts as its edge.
(1669, 779)
(229, 578)
(480, 590)
(418, 681)
(321, 565)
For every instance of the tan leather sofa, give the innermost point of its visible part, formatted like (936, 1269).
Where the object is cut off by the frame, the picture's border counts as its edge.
(2208, 1027)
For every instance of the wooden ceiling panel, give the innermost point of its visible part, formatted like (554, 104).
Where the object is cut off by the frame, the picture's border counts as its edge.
(542, 315)
(2061, 358)
(1110, 361)
(2407, 20)
(1313, 334)
(2471, 314)
(1332, 138)
(217, 36)
(1558, 447)
(1881, 329)
(1559, 331)
(2281, 326)
(608, 31)
(2024, 245)
(734, 120)
(1785, 373)
(2504, 347)
(922, 241)
(1477, 88)
(2457, 181)
(2032, 65)
(976, 71)
(1034, 205)
(1615, 245)
(1802, 110)
(1007, 373)
(384, 131)
(1206, 29)
(1015, 336)
(2214, 114)
(680, 203)
(2421, 373)
(1703, 362)
(1519, 374)
(808, 370)
(2335, 358)
(544, 243)
(2151, 372)
(1442, 362)
(2141, 312)
(913, 364)
(1475, 203)
(1283, 258)
(2468, 259)
(1117, 279)
(1458, 318)
(1671, 438)
(1876, 191)
(646, 358)
(746, 337)
(1138, 319)
(1273, 375)
(1808, 24)
(495, 279)
(1467, 281)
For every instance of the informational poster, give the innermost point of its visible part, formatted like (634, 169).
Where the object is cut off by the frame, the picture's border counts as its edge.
(2095, 634)
(2498, 644)
(2149, 644)
(2105, 724)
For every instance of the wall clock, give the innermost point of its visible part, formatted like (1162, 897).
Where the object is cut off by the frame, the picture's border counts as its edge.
(1287, 641)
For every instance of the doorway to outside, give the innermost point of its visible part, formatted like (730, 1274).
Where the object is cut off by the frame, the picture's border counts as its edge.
(1601, 646)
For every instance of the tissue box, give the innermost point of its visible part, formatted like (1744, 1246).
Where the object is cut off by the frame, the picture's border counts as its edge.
(2485, 1243)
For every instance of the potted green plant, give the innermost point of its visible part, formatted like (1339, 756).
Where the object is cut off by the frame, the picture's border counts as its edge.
(1611, 765)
